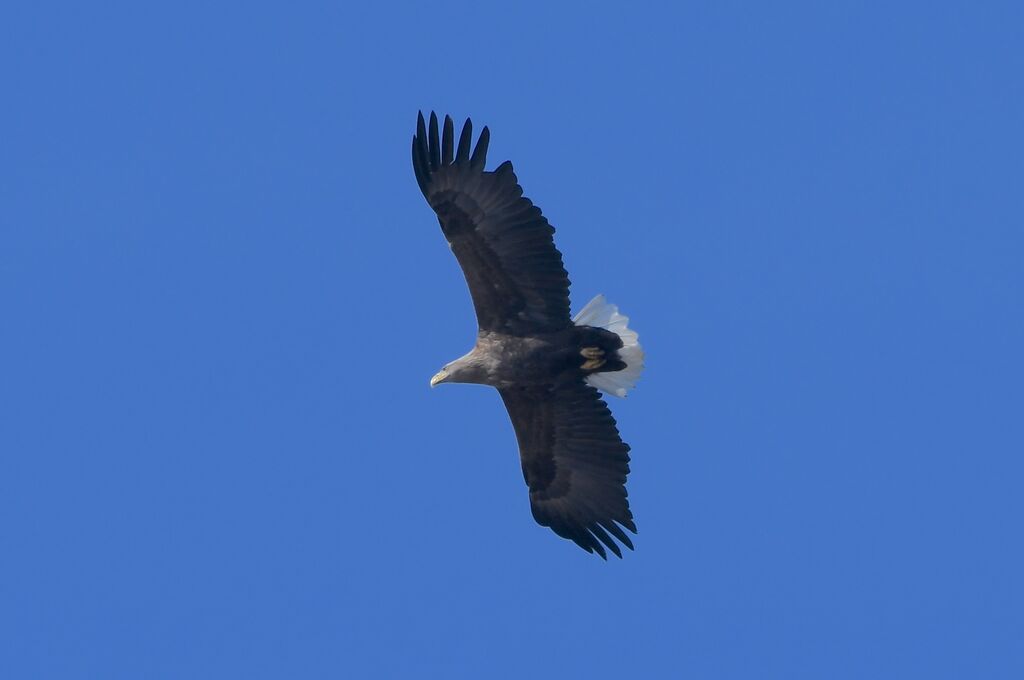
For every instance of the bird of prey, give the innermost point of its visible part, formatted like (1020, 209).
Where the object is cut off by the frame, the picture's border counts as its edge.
(546, 365)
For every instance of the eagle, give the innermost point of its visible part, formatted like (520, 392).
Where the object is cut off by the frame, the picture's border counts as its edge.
(546, 365)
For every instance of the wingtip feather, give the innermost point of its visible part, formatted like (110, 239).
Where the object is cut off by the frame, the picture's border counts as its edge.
(434, 144)
(465, 141)
(479, 159)
(421, 126)
(447, 141)
(603, 536)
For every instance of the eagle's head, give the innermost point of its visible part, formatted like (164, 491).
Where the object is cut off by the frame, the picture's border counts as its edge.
(468, 369)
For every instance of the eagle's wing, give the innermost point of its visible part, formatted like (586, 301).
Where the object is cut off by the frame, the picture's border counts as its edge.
(501, 239)
(574, 463)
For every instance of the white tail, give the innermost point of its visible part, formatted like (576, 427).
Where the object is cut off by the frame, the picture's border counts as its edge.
(603, 314)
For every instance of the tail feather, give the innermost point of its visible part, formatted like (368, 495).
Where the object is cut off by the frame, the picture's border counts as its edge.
(602, 314)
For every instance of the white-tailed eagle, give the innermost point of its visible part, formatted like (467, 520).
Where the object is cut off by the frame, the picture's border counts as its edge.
(545, 365)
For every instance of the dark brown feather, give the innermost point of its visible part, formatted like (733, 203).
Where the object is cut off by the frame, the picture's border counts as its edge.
(574, 463)
(502, 241)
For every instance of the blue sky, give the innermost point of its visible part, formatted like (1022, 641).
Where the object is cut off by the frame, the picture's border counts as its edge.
(222, 298)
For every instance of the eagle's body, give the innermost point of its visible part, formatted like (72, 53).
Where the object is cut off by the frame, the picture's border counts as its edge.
(544, 364)
(502, 360)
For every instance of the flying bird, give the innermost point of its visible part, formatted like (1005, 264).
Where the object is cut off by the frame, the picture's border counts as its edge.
(546, 365)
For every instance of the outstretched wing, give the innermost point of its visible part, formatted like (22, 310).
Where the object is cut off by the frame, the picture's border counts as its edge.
(574, 463)
(500, 238)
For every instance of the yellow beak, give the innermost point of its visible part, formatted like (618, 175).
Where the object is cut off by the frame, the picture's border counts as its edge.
(439, 378)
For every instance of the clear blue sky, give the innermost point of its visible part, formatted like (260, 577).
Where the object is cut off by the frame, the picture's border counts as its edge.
(222, 298)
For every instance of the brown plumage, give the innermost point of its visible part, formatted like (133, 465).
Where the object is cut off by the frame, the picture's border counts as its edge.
(574, 462)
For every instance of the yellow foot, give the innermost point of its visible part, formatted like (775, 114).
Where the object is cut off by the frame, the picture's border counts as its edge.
(594, 358)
